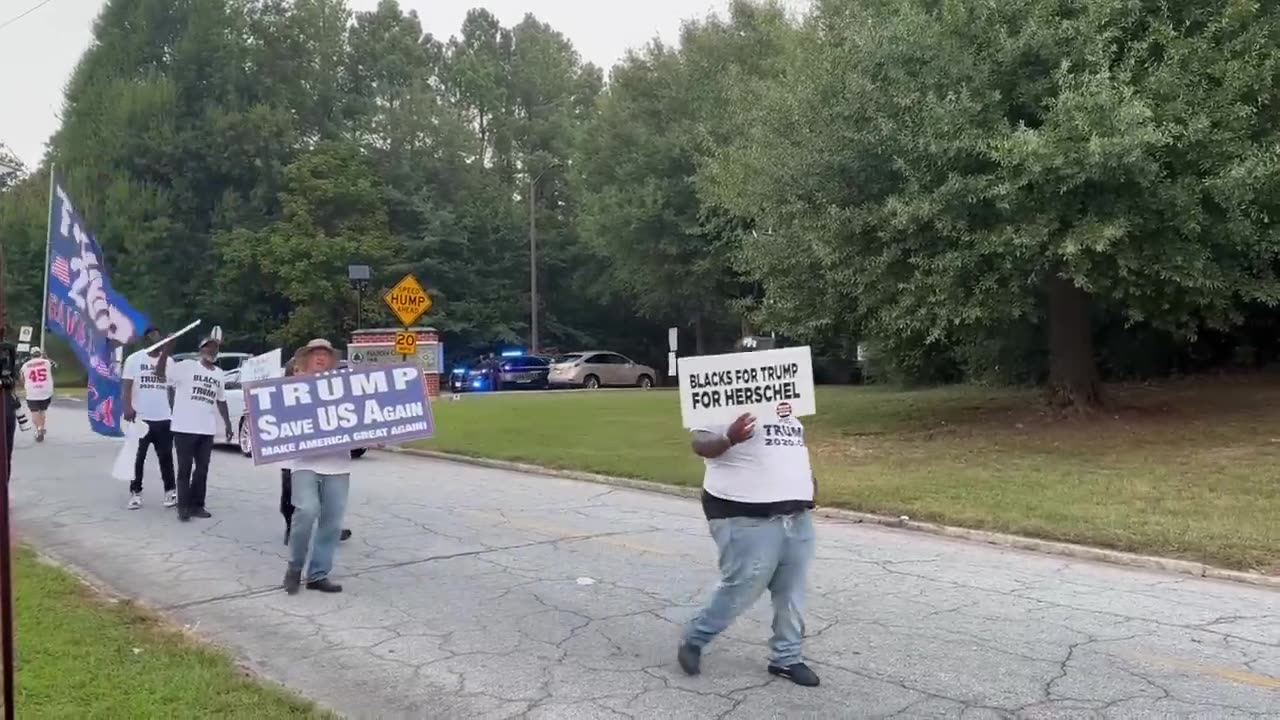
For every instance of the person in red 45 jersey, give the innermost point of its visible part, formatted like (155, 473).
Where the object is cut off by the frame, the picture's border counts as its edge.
(37, 381)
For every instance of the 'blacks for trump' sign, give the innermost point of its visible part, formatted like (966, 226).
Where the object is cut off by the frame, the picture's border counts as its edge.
(716, 389)
(340, 411)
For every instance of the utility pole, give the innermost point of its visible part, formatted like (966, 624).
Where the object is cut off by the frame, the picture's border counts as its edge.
(8, 372)
(533, 256)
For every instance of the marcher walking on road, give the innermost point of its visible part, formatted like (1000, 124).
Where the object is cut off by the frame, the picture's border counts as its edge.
(146, 399)
(286, 489)
(320, 486)
(37, 383)
(757, 494)
(198, 392)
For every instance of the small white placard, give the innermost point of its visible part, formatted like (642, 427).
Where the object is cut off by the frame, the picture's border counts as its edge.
(673, 339)
(262, 367)
(716, 389)
(25, 332)
(671, 364)
(24, 347)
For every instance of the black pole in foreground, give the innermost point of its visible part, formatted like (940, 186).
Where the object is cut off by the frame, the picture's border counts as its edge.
(6, 575)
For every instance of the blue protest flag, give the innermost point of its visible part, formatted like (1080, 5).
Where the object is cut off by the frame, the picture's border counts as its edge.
(83, 309)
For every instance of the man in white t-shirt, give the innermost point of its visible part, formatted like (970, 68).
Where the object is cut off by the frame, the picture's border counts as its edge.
(757, 494)
(320, 486)
(37, 382)
(199, 396)
(146, 399)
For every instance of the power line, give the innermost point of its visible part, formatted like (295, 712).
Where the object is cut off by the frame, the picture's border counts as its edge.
(34, 8)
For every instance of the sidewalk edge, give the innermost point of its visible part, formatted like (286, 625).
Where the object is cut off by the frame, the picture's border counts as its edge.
(984, 537)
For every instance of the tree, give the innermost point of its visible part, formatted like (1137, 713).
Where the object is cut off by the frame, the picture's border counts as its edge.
(933, 171)
(639, 162)
(333, 214)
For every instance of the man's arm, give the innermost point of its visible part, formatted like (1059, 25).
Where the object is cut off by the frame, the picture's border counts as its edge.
(710, 445)
(126, 396)
(126, 389)
(226, 417)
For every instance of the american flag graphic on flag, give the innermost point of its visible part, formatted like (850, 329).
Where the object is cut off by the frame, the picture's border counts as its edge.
(61, 269)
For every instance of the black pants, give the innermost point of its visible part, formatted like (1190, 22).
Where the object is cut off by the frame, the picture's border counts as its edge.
(158, 435)
(286, 501)
(10, 425)
(193, 468)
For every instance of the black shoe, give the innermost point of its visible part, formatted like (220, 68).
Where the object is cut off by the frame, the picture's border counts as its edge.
(799, 674)
(292, 581)
(690, 659)
(184, 514)
(201, 513)
(324, 585)
(346, 535)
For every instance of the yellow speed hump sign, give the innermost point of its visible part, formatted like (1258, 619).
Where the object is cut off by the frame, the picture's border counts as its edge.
(407, 300)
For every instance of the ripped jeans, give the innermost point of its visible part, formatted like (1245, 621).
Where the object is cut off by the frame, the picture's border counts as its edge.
(759, 553)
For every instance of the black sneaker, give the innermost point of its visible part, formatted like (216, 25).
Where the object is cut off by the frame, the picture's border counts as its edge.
(346, 535)
(184, 514)
(324, 585)
(292, 581)
(201, 513)
(690, 659)
(799, 674)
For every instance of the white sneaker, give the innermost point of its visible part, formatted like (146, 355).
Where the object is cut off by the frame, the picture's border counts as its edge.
(171, 498)
(135, 501)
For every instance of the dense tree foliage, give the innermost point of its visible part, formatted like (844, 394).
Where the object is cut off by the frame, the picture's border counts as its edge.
(1059, 190)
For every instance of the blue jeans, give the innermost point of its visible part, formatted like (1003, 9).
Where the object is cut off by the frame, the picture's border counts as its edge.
(323, 498)
(759, 553)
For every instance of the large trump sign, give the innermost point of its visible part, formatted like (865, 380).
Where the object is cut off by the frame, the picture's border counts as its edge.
(318, 414)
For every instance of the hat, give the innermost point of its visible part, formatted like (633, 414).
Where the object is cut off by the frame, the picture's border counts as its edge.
(209, 339)
(36, 351)
(317, 344)
(150, 329)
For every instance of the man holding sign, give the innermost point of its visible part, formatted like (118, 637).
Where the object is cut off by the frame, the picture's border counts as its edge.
(311, 421)
(199, 396)
(757, 495)
(321, 483)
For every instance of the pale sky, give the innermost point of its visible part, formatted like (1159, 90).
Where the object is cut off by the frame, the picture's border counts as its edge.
(39, 51)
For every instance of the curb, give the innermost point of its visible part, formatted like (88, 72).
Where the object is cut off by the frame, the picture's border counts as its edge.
(983, 537)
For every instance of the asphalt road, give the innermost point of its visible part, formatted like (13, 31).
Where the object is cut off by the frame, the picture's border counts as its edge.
(475, 593)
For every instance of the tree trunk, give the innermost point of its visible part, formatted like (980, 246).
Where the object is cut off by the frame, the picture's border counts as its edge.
(699, 336)
(1073, 369)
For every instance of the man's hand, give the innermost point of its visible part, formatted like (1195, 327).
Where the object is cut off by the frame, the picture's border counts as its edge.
(229, 434)
(742, 429)
(129, 414)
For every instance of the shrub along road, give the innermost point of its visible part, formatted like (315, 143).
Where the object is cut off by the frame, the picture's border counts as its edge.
(1182, 470)
(482, 593)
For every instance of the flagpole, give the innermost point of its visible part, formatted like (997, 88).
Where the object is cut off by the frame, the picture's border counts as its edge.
(48, 245)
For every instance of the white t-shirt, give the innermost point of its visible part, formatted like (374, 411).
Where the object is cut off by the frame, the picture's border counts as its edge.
(150, 393)
(334, 463)
(37, 379)
(773, 466)
(196, 391)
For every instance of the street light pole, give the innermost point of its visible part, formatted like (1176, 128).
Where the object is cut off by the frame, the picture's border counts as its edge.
(533, 257)
(533, 265)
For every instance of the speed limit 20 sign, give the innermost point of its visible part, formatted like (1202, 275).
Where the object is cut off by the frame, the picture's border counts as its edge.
(406, 343)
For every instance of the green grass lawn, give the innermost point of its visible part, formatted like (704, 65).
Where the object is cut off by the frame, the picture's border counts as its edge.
(82, 656)
(1183, 469)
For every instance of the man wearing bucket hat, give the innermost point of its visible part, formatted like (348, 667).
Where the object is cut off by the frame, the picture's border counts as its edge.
(320, 485)
(197, 389)
(286, 489)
